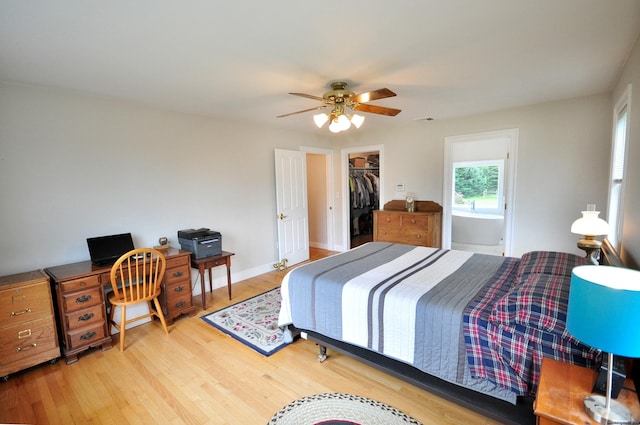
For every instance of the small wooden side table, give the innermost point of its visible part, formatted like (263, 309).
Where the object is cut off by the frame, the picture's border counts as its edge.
(207, 263)
(562, 390)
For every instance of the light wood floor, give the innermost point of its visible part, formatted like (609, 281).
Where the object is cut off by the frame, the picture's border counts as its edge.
(198, 375)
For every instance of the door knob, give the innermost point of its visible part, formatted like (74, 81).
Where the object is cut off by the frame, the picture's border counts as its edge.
(282, 216)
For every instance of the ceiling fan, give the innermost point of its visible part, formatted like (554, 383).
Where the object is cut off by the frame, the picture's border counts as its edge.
(340, 97)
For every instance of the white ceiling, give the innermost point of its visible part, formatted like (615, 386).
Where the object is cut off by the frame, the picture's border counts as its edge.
(239, 59)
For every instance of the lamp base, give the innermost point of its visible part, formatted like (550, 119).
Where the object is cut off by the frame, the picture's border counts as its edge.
(592, 248)
(618, 413)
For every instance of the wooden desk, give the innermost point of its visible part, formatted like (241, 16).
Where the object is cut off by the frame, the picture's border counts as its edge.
(81, 309)
(563, 388)
(207, 263)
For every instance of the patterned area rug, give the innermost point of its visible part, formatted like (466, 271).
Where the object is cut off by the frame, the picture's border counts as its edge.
(339, 409)
(254, 322)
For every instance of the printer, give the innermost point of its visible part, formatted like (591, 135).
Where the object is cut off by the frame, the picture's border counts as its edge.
(201, 242)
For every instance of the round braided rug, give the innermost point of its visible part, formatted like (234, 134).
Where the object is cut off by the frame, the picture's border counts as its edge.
(339, 409)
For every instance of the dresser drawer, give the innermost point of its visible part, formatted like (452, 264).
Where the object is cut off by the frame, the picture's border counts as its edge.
(27, 339)
(177, 289)
(84, 317)
(79, 284)
(78, 300)
(385, 218)
(85, 336)
(415, 221)
(25, 303)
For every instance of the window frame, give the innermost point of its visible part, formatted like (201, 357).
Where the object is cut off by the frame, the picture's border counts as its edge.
(617, 177)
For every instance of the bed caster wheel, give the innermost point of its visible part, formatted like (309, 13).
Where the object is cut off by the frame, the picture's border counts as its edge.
(323, 354)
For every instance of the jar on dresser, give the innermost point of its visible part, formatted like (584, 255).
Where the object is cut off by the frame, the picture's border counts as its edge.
(27, 325)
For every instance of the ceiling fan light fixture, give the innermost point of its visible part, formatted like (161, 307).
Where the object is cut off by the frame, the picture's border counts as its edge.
(357, 120)
(320, 119)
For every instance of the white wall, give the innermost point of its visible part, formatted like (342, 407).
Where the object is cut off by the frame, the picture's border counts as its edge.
(74, 166)
(563, 163)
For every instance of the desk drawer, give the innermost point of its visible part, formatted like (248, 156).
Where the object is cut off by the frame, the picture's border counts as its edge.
(77, 300)
(85, 336)
(178, 261)
(177, 274)
(25, 303)
(79, 284)
(176, 303)
(85, 317)
(27, 339)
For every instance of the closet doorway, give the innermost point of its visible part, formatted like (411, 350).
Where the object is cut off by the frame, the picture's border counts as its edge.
(362, 171)
(320, 195)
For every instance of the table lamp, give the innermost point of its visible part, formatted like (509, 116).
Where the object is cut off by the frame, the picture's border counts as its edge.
(590, 225)
(604, 313)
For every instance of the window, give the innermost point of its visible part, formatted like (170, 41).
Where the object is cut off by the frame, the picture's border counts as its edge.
(478, 186)
(617, 171)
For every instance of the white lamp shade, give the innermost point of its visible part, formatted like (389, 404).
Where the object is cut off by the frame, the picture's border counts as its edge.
(344, 122)
(320, 119)
(590, 224)
(334, 127)
(357, 120)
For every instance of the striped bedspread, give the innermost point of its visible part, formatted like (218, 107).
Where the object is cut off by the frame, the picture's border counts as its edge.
(403, 301)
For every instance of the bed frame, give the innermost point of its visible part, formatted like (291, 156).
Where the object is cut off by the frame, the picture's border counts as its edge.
(504, 412)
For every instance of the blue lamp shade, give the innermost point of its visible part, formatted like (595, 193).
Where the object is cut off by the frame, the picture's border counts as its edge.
(604, 308)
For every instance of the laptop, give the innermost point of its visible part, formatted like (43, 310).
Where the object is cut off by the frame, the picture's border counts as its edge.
(105, 250)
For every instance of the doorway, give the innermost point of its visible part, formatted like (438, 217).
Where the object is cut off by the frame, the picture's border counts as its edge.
(479, 192)
(362, 183)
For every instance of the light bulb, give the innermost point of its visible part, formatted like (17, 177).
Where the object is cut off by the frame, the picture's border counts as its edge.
(334, 127)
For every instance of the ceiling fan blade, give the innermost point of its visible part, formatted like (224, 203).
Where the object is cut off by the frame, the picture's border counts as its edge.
(304, 110)
(309, 96)
(365, 107)
(372, 95)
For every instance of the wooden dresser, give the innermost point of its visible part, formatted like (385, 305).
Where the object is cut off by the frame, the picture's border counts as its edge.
(80, 295)
(422, 227)
(27, 325)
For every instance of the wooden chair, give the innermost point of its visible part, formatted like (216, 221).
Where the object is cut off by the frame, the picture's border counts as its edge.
(135, 278)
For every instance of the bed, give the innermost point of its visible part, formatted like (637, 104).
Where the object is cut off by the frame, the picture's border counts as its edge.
(469, 327)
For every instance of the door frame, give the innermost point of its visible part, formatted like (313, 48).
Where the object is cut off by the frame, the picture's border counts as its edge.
(330, 188)
(511, 137)
(344, 185)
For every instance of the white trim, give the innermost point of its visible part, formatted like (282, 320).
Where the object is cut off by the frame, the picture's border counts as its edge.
(330, 207)
(511, 136)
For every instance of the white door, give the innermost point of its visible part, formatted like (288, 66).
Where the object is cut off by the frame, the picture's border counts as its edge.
(292, 208)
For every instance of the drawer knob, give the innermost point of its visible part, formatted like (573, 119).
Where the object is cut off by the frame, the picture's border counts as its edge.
(85, 317)
(18, 313)
(28, 347)
(88, 336)
(179, 288)
(180, 304)
(388, 219)
(83, 299)
(413, 221)
(418, 236)
(178, 274)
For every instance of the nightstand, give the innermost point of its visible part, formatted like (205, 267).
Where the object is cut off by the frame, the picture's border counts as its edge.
(562, 390)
